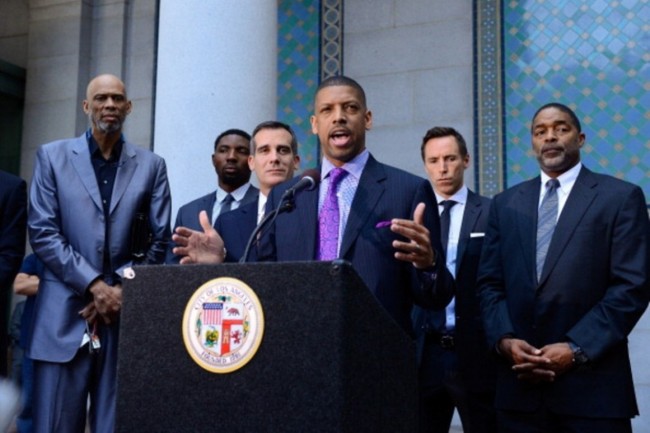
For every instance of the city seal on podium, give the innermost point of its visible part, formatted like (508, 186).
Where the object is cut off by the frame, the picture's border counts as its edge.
(223, 325)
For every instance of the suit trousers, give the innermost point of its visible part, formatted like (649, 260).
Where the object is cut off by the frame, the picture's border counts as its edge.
(61, 390)
(441, 389)
(545, 421)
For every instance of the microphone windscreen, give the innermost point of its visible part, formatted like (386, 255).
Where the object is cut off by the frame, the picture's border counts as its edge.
(314, 174)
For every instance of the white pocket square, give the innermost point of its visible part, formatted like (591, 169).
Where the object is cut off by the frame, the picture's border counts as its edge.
(476, 235)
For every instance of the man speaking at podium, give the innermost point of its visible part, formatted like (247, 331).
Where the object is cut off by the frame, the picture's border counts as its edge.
(379, 218)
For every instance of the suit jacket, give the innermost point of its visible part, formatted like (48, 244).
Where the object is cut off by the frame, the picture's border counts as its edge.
(383, 193)
(235, 227)
(13, 221)
(188, 215)
(474, 358)
(593, 289)
(67, 231)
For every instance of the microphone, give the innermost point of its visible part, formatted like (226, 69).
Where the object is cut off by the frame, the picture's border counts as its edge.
(308, 181)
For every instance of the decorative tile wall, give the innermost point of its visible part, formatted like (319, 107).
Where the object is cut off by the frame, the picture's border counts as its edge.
(299, 71)
(592, 55)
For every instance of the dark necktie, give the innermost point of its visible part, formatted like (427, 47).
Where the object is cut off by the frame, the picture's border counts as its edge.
(226, 204)
(546, 219)
(329, 219)
(445, 221)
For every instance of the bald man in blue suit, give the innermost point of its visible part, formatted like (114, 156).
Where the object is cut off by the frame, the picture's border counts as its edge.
(87, 194)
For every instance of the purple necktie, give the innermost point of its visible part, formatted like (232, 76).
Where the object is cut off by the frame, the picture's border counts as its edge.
(328, 220)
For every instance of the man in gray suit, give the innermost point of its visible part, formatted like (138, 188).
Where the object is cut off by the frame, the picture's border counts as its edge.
(87, 196)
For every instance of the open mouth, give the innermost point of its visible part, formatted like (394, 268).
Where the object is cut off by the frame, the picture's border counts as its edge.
(340, 138)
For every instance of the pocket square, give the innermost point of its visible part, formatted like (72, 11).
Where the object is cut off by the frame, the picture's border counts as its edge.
(477, 235)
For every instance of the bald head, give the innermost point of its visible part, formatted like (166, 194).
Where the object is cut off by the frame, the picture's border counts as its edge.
(106, 104)
(104, 80)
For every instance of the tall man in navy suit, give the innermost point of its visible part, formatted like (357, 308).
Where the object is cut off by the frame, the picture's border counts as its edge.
(13, 221)
(563, 280)
(384, 230)
(455, 368)
(87, 194)
(230, 161)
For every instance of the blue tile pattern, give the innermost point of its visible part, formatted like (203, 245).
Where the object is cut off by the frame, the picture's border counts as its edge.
(299, 71)
(488, 87)
(592, 55)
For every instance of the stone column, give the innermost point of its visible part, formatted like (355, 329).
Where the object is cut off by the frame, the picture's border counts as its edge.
(216, 70)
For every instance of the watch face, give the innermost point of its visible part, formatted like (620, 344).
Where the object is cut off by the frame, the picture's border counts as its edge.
(580, 358)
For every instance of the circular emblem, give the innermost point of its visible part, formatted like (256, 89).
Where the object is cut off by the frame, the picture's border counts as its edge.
(223, 325)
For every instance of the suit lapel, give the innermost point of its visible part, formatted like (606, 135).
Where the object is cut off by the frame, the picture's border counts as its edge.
(80, 160)
(369, 190)
(471, 215)
(525, 202)
(125, 171)
(307, 223)
(581, 196)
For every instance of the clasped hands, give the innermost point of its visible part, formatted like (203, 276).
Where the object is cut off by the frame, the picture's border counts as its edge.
(106, 303)
(535, 365)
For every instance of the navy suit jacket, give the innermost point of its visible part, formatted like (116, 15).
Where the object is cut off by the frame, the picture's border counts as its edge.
(13, 221)
(474, 357)
(67, 231)
(235, 227)
(383, 193)
(593, 289)
(188, 215)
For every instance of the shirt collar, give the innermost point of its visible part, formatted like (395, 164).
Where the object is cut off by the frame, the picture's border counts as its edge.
(567, 179)
(459, 197)
(237, 194)
(93, 147)
(354, 167)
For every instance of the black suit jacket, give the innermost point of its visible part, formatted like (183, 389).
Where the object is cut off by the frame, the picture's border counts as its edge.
(474, 358)
(593, 289)
(235, 227)
(188, 215)
(383, 193)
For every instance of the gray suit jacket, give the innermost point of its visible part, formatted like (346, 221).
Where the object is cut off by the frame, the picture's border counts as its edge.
(67, 230)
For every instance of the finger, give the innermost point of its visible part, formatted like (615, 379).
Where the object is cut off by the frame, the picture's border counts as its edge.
(205, 221)
(186, 260)
(418, 214)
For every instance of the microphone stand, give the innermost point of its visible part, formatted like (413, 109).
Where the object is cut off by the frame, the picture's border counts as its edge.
(286, 204)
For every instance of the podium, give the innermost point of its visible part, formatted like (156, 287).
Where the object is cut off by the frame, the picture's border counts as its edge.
(331, 358)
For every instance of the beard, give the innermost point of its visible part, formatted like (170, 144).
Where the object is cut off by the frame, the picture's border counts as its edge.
(105, 127)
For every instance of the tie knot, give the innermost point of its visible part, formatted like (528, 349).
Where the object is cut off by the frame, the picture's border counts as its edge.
(336, 175)
(229, 199)
(447, 204)
(552, 184)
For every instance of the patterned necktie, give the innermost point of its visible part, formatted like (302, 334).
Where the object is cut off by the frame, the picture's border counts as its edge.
(546, 220)
(445, 220)
(328, 219)
(226, 204)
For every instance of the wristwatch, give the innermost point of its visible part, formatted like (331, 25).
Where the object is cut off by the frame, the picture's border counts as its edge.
(579, 356)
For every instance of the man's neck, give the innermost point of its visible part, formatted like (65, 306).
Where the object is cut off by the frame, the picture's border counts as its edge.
(230, 188)
(106, 141)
